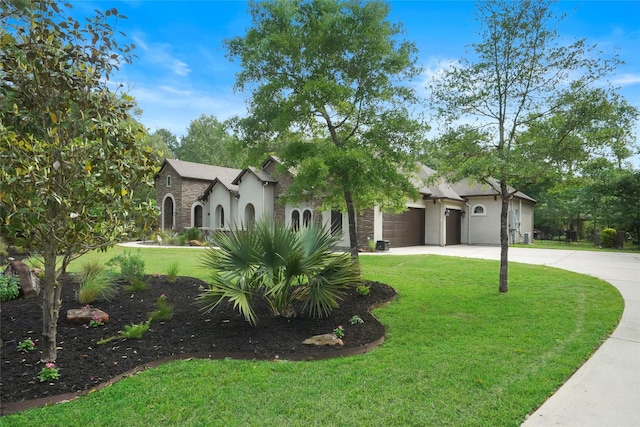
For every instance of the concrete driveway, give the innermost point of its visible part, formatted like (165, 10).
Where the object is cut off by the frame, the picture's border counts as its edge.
(605, 391)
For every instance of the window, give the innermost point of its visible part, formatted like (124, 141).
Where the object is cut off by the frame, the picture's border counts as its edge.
(249, 216)
(306, 218)
(168, 180)
(197, 216)
(295, 220)
(336, 223)
(478, 210)
(219, 218)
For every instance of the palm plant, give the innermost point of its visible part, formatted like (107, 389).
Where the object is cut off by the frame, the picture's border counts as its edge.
(277, 265)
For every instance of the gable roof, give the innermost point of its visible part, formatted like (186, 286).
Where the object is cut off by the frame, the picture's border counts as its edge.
(201, 171)
(231, 188)
(467, 188)
(258, 173)
(438, 190)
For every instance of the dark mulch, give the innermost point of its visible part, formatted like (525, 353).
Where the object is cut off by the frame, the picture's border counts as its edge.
(84, 364)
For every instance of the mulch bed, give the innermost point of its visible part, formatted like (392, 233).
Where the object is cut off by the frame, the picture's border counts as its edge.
(85, 365)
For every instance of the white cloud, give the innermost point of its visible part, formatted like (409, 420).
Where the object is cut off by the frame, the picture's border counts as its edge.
(626, 79)
(160, 54)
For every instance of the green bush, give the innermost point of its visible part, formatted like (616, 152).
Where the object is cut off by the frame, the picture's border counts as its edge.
(163, 311)
(193, 234)
(279, 266)
(131, 266)
(608, 238)
(9, 287)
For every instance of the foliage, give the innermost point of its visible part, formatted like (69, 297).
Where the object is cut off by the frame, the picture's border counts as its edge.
(9, 287)
(363, 290)
(131, 331)
(131, 266)
(163, 311)
(608, 238)
(355, 319)
(172, 271)
(49, 372)
(533, 106)
(327, 99)
(26, 345)
(207, 141)
(273, 263)
(165, 141)
(96, 285)
(194, 233)
(70, 152)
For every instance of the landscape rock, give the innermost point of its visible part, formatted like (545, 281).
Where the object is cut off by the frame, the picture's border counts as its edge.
(28, 278)
(86, 315)
(324, 339)
(195, 243)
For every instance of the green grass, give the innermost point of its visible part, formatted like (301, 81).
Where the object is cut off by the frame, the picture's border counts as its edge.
(581, 246)
(457, 353)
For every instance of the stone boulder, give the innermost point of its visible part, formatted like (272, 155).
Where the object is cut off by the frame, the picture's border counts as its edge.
(324, 339)
(86, 315)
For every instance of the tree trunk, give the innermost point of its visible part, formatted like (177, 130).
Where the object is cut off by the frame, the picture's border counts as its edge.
(50, 304)
(353, 235)
(504, 237)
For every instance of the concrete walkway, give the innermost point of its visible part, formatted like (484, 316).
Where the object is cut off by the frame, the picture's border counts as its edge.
(605, 391)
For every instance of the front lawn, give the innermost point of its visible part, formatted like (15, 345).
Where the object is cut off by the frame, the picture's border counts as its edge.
(457, 353)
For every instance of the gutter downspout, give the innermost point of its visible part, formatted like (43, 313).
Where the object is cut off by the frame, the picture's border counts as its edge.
(443, 228)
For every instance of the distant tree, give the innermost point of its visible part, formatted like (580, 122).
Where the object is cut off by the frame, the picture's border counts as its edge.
(330, 95)
(208, 142)
(69, 150)
(521, 77)
(165, 141)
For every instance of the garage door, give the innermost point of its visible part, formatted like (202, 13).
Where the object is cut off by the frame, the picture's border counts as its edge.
(404, 229)
(454, 227)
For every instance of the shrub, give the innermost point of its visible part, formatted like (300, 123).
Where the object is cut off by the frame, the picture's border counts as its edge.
(96, 285)
(9, 287)
(193, 233)
(608, 238)
(131, 266)
(279, 266)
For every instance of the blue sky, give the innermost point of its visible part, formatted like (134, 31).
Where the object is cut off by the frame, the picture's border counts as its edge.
(182, 72)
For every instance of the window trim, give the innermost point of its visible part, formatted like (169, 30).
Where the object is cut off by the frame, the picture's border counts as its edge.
(476, 206)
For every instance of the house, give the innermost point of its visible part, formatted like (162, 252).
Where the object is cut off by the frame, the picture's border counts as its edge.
(217, 198)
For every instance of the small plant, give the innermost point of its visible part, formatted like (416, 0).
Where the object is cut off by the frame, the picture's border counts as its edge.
(136, 286)
(372, 245)
(96, 284)
(131, 266)
(339, 332)
(132, 331)
(164, 310)
(172, 271)
(27, 345)
(363, 290)
(95, 321)
(49, 372)
(9, 287)
(355, 319)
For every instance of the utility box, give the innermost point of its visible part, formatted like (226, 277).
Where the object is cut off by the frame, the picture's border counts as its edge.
(527, 238)
(382, 246)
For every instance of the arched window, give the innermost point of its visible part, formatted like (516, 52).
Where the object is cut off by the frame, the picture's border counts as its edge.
(249, 216)
(306, 218)
(479, 210)
(168, 213)
(168, 181)
(219, 218)
(295, 220)
(336, 222)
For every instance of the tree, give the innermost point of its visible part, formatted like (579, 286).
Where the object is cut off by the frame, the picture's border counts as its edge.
(521, 77)
(326, 96)
(69, 150)
(208, 142)
(163, 140)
